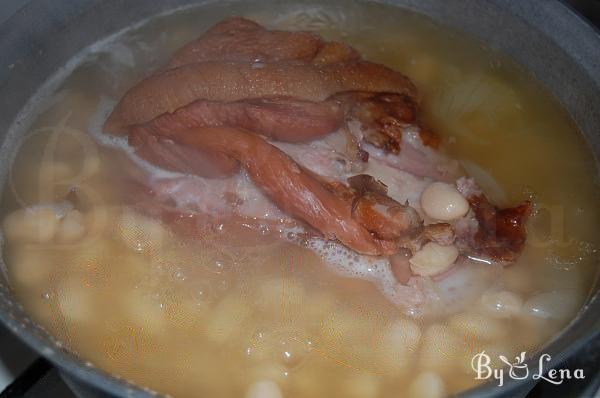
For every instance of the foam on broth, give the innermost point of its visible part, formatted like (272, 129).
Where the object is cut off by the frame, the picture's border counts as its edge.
(221, 315)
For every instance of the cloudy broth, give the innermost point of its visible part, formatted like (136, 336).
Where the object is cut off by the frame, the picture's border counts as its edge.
(230, 313)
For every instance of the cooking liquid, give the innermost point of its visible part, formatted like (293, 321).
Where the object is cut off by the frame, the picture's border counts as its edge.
(228, 312)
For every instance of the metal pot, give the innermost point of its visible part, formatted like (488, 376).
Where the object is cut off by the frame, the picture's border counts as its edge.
(545, 37)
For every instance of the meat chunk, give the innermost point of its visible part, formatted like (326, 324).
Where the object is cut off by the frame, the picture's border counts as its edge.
(335, 52)
(280, 118)
(489, 232)
(283, 119)
(258, 108)
(167, 154)
(384, 118)
(228, 81)
(242, 40)
(501, 233)
(294, 190)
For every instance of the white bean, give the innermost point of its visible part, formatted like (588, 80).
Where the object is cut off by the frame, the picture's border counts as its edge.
(89, 256)
(422, 68)
(141, 233)
(362, 385)
(31, 225)
(71, 228)
(271, 371)
(400, 343)
(478, 326)
(443, 202)
(403, 334)
(227, 318)
(145, 311)
(74, 300)
(307, 386)
(29, 266)
(440, 348)
(99, 220)
(344, 325)
(427, 385)
(557, 304)
(503, 304)
(277, 294)
(317, 305)
(264, 389)
(433, 259)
